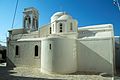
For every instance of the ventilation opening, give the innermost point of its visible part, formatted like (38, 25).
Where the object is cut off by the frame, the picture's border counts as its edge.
(60, 30)
(60, 27)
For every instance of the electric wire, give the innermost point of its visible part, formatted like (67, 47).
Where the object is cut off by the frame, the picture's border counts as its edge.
(14, 14)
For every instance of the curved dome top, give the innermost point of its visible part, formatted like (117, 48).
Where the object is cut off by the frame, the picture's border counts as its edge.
(59, 14)
(65, 17)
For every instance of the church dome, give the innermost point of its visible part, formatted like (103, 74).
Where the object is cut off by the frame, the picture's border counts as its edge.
(65, 17)
(57, 15)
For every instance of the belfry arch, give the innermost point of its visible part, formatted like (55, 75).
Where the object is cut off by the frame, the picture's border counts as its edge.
(30, 19)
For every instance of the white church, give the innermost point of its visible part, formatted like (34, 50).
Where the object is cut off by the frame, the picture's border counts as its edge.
(61, 46)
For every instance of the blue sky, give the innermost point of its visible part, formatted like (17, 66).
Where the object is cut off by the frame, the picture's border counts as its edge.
(87, 12)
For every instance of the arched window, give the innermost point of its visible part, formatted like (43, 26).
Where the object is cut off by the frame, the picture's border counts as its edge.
(71, 28)
(50, 30)
(37, 24)
(50, 46)
(36, 50)
(60, 27)
(33, 22)
(29, 20)
(60, 24)
(17, 50)
(25, 22)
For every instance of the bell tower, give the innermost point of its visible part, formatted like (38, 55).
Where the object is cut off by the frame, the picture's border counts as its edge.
(30, 19)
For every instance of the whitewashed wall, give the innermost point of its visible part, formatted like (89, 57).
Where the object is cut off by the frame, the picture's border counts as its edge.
(96, 49)
(26, 51)
(62, 56)
(95, 55)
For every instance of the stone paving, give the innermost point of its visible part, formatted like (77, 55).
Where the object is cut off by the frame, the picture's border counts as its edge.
(24, 73)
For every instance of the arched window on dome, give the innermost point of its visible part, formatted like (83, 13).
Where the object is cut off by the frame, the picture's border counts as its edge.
(50, 46)
(60, 26)
(53, 27)
(71, 27)
(50, 30)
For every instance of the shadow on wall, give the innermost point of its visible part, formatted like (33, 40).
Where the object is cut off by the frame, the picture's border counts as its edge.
(10, 64)
(91, 60)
